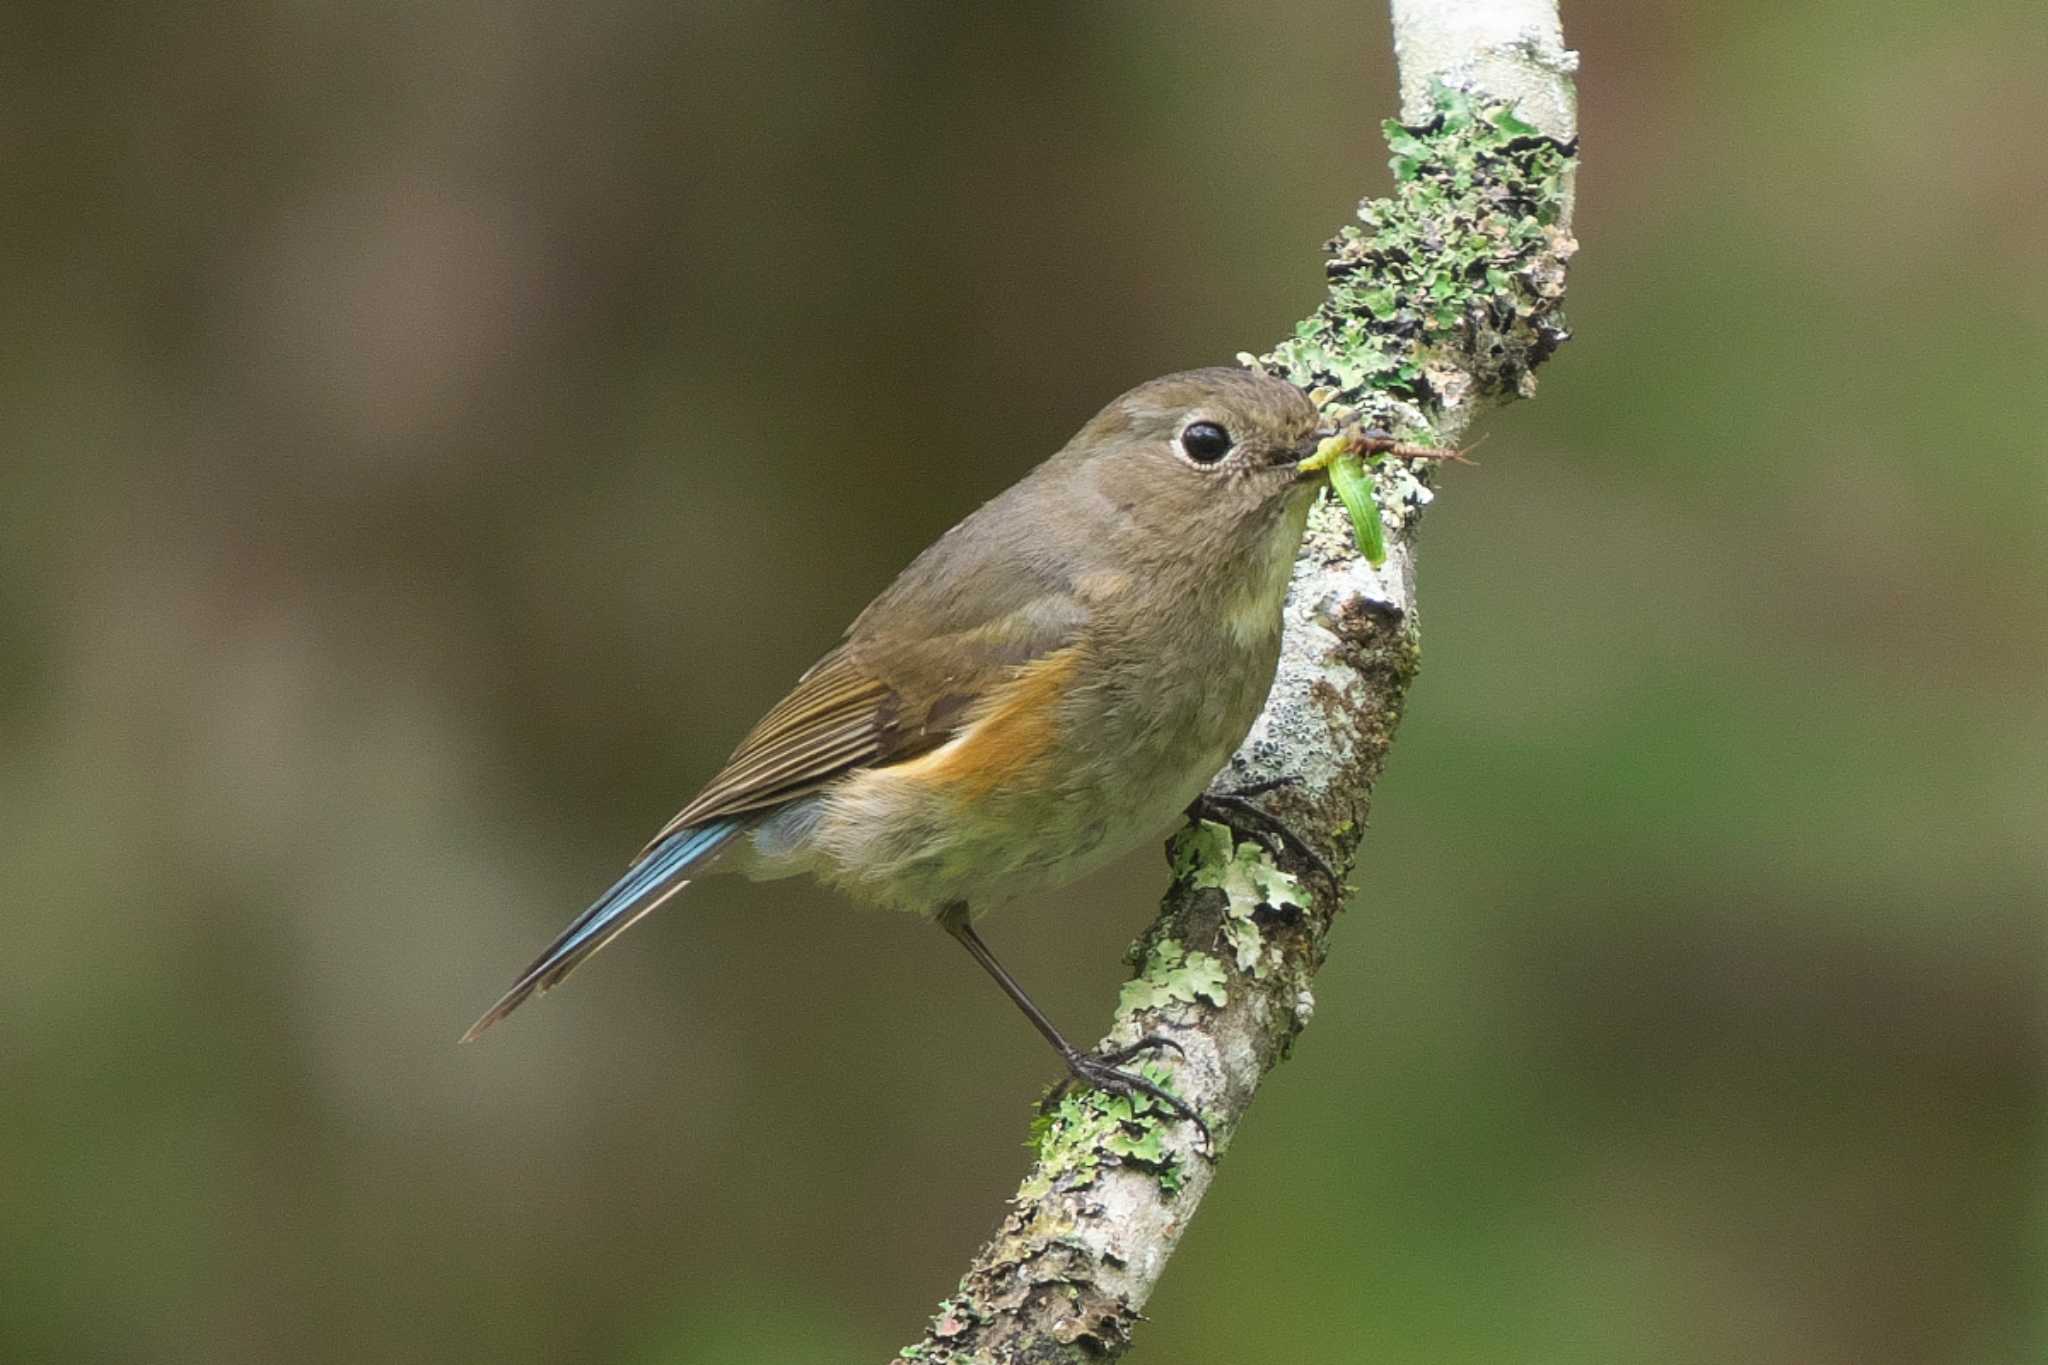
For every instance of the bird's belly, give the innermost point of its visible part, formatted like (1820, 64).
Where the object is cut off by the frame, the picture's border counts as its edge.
(896, 845)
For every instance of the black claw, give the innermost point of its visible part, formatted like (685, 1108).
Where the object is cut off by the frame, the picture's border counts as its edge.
(1269, 825)
(1101, 1070)
(1149, 1043)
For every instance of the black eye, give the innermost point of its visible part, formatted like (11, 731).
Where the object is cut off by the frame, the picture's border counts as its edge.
(1205, 442)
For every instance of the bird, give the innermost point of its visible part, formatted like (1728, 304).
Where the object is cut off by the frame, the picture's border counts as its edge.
(1050, 683)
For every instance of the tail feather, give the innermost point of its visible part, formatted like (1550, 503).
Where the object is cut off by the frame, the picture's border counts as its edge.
(646, 885)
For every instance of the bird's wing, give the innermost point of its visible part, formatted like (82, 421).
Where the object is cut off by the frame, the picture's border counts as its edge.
(968, 615)
(870, 703)
(839, 716)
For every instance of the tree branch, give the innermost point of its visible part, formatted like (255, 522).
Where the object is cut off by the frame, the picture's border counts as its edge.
(1443, 299)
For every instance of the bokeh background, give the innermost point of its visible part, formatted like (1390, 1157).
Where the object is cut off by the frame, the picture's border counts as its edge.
(432, 434)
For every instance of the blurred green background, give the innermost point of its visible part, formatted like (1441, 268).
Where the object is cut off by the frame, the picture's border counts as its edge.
(434, 433)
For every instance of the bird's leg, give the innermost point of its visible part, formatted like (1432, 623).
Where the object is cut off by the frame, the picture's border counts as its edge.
(1270, 826)
(1099, 1069)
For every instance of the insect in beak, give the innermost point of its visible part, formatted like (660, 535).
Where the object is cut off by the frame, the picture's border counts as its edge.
(1342, 457)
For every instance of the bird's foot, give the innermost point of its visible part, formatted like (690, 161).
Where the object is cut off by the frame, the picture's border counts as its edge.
(1267, 827)
(1104, 1071)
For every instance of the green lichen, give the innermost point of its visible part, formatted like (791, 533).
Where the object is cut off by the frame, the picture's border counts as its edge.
(1464, 258)
(1461, 243)
(1206, 854)
(1173, 975)
(1075, 1137)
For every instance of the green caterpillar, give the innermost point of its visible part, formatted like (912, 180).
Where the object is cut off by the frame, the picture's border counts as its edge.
(1338, 456)
(1354, 488)
(1344, 457)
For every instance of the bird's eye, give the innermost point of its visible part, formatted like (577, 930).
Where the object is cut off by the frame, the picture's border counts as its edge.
(1205, 442)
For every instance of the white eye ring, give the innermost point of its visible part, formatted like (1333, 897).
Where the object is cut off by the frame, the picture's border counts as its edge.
(1205, 442)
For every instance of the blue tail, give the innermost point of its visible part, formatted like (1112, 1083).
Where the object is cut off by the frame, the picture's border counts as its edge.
(649, 882)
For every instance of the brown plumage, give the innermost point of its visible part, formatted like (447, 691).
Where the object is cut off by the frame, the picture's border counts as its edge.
(1056, 676)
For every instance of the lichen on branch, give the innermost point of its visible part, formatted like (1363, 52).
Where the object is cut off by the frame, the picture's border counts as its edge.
(1449, 290)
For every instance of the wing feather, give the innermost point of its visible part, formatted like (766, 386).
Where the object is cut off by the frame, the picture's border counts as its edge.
(975, 609)
(836, 718)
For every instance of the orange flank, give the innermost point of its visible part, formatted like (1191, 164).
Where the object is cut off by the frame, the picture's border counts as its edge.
(1010, 734)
